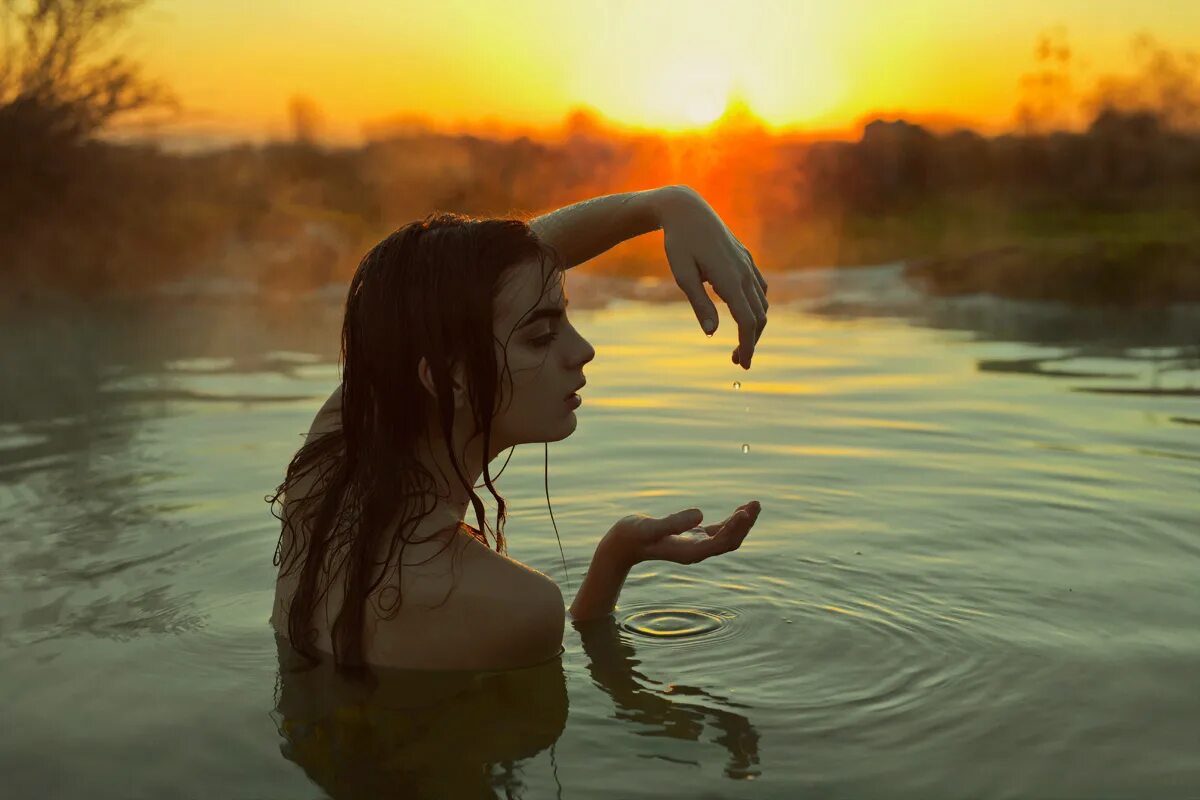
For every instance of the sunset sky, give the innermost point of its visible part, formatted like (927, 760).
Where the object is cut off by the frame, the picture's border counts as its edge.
(645, 63)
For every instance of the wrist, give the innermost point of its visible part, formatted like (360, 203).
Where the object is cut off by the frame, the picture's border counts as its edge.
(666, 199)
(617, 551)
(597, 595)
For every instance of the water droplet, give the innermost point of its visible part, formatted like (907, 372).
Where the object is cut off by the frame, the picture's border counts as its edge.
(747, 409)
(745, 448)
(737, 384)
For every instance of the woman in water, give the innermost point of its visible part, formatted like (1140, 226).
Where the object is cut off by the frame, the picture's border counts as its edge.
(455, 347)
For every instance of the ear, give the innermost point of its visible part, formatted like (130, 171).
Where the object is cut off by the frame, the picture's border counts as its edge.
(457, 374)
(426, 376)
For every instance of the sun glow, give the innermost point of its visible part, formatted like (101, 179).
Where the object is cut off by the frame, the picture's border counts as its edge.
(689, 93)
(670, 64)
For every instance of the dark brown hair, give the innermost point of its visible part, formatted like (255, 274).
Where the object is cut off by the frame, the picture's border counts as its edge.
(425, 290)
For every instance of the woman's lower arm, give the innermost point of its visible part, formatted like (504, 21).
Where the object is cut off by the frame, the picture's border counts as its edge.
(582, 231)
(597, 595)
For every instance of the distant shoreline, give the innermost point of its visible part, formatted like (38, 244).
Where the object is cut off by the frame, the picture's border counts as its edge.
(1095, 273)
(1079, 273)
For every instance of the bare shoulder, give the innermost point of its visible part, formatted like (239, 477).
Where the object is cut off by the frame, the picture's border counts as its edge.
(519, 614)
(469, 607)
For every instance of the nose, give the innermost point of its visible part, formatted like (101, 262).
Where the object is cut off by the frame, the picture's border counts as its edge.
(583, 353)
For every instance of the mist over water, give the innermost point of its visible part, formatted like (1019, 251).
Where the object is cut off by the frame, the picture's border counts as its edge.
(974, 574)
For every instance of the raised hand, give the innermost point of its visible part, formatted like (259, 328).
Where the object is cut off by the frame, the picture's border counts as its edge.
(701, 248)
(679, 537)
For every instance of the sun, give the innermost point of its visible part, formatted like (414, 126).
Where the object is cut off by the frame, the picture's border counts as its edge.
(703, 106)
(690, 94)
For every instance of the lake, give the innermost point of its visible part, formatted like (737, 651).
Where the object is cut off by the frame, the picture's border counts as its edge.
(976, 572)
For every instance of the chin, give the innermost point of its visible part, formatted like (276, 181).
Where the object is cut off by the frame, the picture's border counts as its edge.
(561, 431)
(568, 426)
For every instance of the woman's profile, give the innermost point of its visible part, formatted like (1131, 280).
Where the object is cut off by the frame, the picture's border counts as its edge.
(457, 346)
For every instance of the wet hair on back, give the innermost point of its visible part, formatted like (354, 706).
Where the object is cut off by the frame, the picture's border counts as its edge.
(428, 289)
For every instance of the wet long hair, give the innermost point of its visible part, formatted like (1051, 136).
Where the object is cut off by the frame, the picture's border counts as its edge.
(425, 290)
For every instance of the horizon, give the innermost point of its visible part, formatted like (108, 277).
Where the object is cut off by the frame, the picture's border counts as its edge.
(675, 73)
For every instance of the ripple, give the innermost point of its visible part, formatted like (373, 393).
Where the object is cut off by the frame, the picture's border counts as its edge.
(676, 626)
(1145, 392)
(842, 652)
(673, 622)
(232, 637)
(20, 441)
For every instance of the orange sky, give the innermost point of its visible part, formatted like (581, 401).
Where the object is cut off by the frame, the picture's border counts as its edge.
(644, 63)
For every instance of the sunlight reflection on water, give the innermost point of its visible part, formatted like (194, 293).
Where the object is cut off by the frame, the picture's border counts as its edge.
(978, 547)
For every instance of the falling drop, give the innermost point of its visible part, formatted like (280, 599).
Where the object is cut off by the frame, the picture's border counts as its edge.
(745, 448)
(737, 384)
(747, 409)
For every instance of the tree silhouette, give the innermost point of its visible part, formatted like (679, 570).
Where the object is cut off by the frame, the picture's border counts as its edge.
(58, 71)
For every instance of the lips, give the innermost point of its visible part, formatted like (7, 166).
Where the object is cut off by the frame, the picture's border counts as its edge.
(577, 388)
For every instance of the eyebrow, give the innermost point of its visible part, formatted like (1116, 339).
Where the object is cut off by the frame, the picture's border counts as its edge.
(546, 312)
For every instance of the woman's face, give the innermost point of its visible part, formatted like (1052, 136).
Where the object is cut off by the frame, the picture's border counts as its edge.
(545, 355)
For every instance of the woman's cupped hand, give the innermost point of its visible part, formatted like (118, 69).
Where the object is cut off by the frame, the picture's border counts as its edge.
(680, 537)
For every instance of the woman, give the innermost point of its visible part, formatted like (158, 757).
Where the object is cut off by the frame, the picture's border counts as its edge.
(456, 346)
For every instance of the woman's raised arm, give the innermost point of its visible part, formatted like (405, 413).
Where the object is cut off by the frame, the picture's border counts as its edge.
(700, 249)
(584, 230)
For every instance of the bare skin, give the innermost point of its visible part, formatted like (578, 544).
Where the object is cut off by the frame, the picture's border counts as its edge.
(469, 607)
(465, 606)
(449, 617)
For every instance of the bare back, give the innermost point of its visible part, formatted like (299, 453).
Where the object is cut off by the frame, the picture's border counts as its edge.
(461, 605)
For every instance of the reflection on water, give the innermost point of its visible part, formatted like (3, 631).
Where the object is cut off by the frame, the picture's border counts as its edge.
(437, 734)
(655, 711)
(1187, 364)
(974, 574)
(415, 734)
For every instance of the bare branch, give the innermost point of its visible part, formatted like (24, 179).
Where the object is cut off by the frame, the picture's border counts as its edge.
(57, 61)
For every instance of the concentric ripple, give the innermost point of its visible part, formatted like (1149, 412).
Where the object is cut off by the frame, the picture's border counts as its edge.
(663, 624)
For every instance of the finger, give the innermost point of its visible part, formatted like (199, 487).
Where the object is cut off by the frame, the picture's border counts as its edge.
(687, 277)
(743, 314)
(678, 522)
(725, 541)
(716, 527)
(731, 537)
(757, 282)
(762, 293)
(743, 354)
(762, 282)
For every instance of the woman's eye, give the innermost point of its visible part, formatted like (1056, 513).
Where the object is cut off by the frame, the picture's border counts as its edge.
(542, 341)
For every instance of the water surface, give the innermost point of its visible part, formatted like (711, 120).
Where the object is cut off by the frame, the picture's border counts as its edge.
(976, 572)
